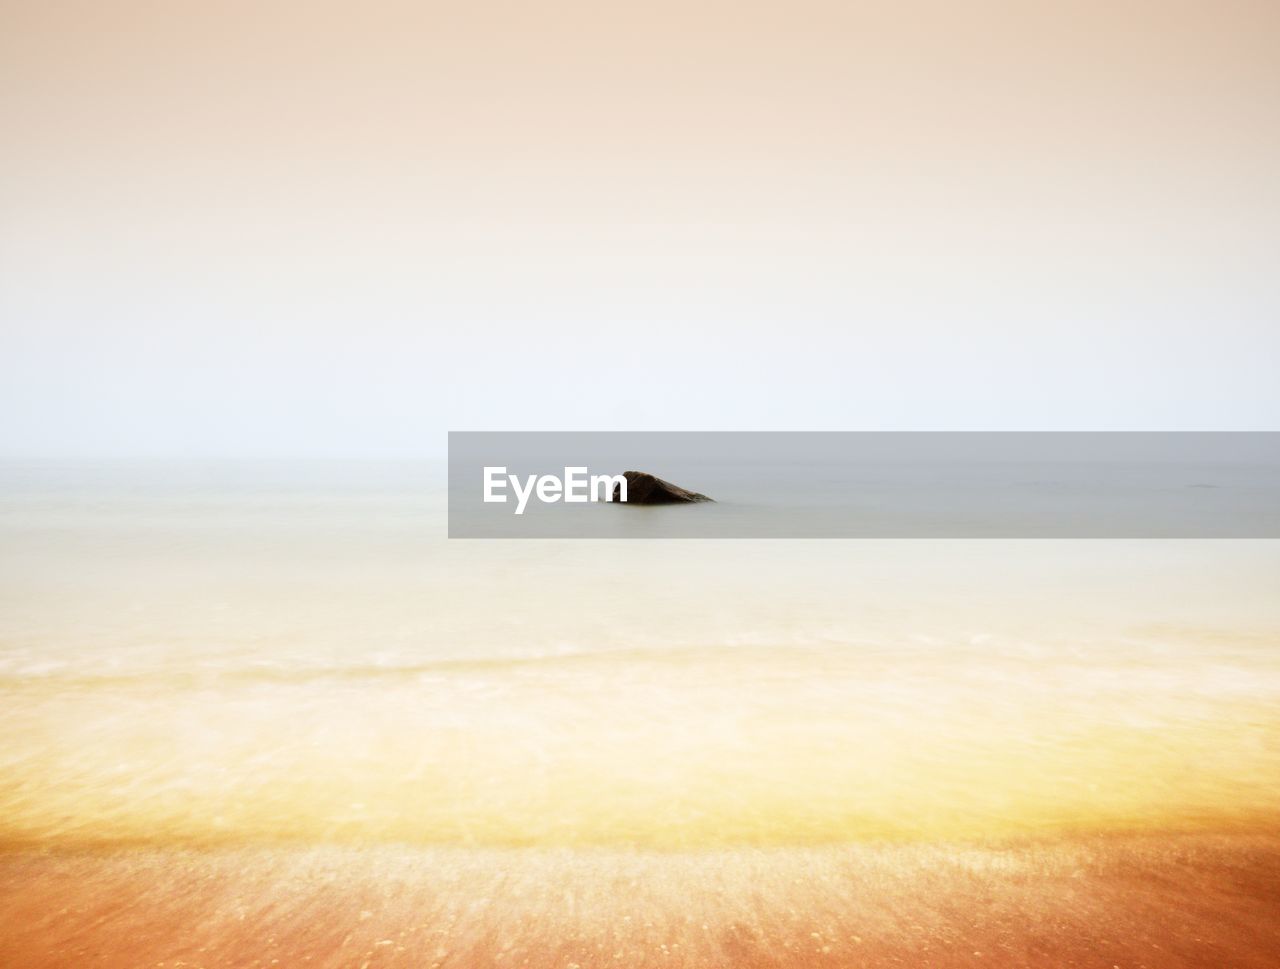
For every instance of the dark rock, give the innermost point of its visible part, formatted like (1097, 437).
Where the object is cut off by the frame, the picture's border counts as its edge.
(645, 489)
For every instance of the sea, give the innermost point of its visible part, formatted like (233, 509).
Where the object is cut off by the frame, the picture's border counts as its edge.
(237, 653)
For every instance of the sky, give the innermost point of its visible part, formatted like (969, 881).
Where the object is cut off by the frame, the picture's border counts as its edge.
(316, 229)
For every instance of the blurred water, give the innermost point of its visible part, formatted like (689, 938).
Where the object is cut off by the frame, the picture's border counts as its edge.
(885, 485)
(295, 652)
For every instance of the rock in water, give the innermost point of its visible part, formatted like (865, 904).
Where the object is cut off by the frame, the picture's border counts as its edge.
(645, 489)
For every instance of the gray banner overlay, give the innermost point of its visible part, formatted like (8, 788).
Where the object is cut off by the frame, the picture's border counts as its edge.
(870, 485)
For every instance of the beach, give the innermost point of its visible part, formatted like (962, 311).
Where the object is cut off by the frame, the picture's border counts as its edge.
(1146, 901)
(273, 714)
(934, 343)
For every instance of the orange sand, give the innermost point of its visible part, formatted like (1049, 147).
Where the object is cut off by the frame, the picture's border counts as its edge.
(1122, 901)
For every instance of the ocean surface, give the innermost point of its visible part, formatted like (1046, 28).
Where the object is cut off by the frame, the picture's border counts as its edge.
(263, 653)
(841, 485)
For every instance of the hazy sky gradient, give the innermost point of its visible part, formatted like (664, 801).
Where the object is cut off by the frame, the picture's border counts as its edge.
(341, 229)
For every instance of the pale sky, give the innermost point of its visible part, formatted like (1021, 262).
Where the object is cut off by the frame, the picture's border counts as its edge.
(342, 229)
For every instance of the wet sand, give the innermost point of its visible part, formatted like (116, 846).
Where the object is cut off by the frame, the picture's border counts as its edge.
(1118, 901)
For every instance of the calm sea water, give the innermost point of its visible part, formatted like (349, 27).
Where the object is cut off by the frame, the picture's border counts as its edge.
(240, 653)
(885, 485)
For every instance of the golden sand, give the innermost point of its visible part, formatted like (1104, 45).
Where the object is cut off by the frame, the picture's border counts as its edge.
(1157, 902)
